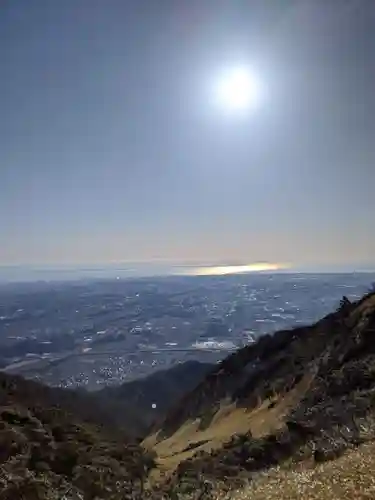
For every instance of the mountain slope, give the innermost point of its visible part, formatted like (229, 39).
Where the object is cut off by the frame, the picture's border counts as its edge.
(160, 389)
(304, 393)
(54, 445)
(58, 443)
(350, 476)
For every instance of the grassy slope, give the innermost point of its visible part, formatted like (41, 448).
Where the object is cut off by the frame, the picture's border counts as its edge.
(350, 476)
(309, 395)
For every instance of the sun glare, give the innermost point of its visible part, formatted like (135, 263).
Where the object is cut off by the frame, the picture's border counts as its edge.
(223, 270)
(238, 89)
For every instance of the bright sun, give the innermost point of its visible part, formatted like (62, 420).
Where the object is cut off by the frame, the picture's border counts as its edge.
(238, 89)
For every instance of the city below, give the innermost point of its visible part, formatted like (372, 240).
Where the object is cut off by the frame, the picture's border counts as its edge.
(95, 333)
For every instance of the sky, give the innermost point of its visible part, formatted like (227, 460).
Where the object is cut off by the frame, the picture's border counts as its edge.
(113, 150)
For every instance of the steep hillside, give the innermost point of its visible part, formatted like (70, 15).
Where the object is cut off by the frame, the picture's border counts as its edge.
(57, 443)
(302, 394)
(151, 397)
(53, 445)
(349, 476)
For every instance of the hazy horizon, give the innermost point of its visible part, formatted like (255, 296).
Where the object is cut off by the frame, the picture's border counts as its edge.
(29, 273)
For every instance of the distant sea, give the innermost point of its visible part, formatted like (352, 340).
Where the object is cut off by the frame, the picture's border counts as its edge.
(31, 273)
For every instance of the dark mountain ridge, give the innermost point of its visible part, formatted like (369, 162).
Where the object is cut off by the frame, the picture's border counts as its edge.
(300, 394)
(273, 365)
(150, 398)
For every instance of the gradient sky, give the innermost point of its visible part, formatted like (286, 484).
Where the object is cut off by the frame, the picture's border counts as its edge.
(111, 149)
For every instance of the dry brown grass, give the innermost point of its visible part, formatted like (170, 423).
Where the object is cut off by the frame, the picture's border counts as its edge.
(351, 476)
(319, 398)
(228, 421)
